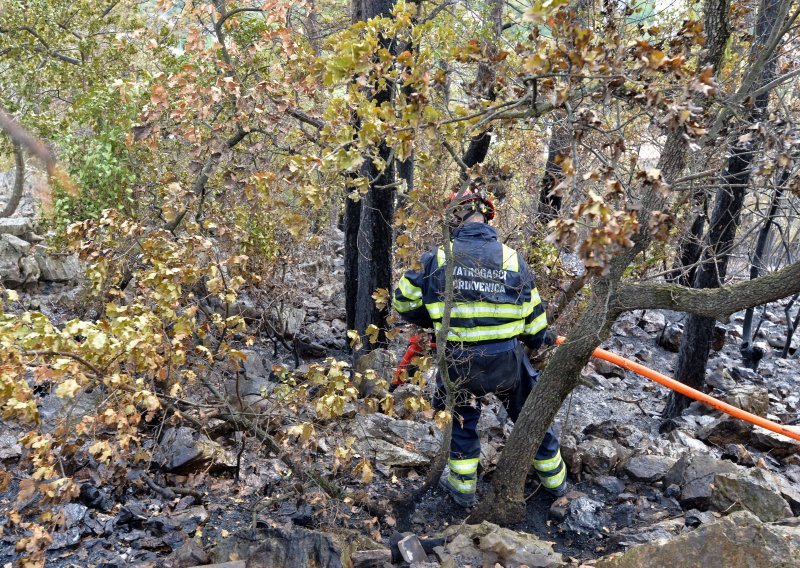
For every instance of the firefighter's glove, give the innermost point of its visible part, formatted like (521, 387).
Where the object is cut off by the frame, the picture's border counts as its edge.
(550, 337)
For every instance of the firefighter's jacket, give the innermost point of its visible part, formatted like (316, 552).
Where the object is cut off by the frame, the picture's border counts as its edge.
(494, 294)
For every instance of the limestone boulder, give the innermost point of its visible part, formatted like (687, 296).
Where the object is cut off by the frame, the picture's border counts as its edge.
(751, 398)
(597, 456)
(694, 474)
(57, 267)
(16, 226)
(754, 490)
(392, 442)
(252, 384)
(648, 468)
(490, 545)
(16, 267)
(184, 450)
(740, 540)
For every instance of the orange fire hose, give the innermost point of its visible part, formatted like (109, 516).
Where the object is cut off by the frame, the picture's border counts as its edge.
(692, 393)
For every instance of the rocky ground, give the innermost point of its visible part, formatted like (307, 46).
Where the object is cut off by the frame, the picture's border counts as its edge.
(681, 492)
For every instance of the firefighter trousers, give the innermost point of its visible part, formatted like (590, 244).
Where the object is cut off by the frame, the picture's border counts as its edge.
(505, 371)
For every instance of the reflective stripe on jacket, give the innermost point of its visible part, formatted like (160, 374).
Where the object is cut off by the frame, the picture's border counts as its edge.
(494, 294)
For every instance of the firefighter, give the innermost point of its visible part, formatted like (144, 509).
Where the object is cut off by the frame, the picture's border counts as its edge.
(496, 309)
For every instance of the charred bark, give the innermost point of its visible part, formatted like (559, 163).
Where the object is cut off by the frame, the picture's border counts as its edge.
(368, 223)
(549, 202)
(717, 26)
(697, 336)
(352, 221)
(751, 354)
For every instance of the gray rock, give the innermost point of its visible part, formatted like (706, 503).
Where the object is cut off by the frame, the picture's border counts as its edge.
(411, 549)
(249, 388)
(584, 515)
(463, 550)
(57, 267)
(744, 375)
(790, 491)
(695, 518)
(371, 558)
(279, 547)
(694, 473)
(9, 446)
(290, 320)
(752, 490)
(720, 379)
(724, 431)
(597, 381)
(12, 251)
(496, 545)
(247, 308)
(739, 540)
(74, 514)
(29, 269)
(382, 361)
(670, 338)
(559, 507)
(185, 450)
(598, 456)
(738, 454)
(684, 439)
(607, 369)
(53, 409)
(775, 444)
(642, 535)
(748, 397)
(612, 484)
(644, 355)
(649, 468)
(16, 226)
(390, 442)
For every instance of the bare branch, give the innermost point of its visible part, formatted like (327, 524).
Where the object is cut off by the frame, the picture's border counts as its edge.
(717, 303)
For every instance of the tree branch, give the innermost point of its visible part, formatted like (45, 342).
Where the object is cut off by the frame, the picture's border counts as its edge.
(95, 371)
(19, 182)
(717, 303)
(226, 15)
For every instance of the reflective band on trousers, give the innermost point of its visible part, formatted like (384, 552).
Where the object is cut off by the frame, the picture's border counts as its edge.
(554, 480)
(462, 486)
(464, 467)
(549, 464)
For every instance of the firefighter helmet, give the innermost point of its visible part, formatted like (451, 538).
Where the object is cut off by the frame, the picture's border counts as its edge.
(472, 200)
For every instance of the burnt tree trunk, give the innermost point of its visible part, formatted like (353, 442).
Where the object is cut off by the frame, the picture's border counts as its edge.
(752, 355)
(368, 222)
(791, 327)
(690, 246)
(549, 202)
(697, 336)
(717, 27)
(485, 84)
